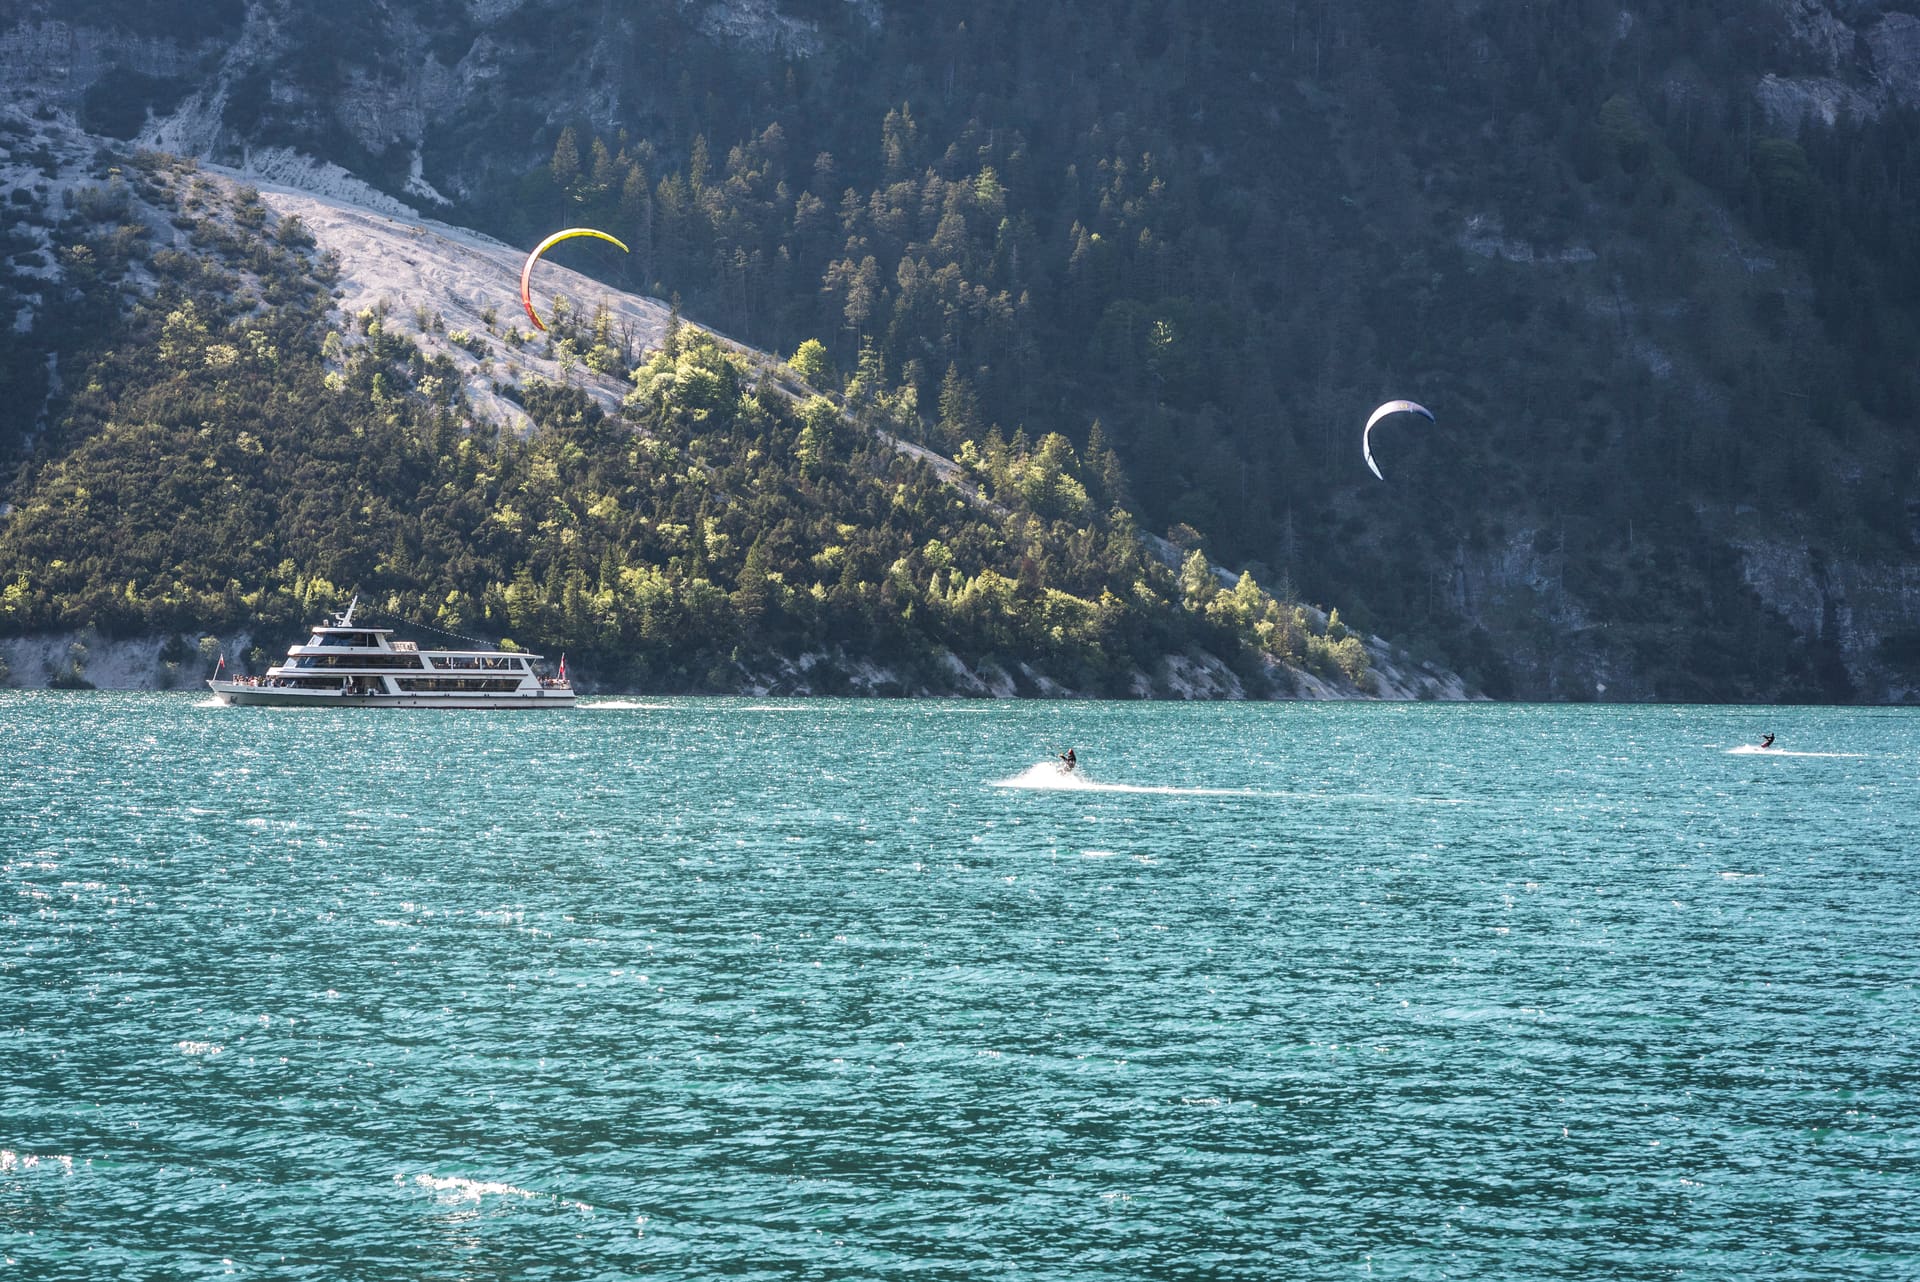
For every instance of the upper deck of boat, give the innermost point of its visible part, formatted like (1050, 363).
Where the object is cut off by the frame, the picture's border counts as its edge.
(341, 645)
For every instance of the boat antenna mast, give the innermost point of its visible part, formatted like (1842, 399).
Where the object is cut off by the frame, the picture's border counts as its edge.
(345, 618)
(426, 627)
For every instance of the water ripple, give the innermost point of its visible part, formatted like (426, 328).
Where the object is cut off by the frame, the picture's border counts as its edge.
(1420, 991)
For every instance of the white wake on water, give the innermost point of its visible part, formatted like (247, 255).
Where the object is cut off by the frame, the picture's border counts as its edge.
(623, 705)
(1755, 750)
(459, 1188)
(1047, 776)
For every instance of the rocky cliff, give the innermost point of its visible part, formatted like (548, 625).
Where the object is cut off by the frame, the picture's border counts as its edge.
(402, 111)
(1857, 61)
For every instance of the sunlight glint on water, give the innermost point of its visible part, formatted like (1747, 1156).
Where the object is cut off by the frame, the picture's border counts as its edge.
(682, 988)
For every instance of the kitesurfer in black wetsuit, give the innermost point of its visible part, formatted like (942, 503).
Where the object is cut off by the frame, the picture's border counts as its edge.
(1068, 760)
(1767, 741)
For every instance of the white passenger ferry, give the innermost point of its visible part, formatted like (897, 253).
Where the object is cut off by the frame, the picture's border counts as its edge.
(349, 665)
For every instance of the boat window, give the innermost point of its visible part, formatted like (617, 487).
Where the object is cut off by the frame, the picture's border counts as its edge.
(344, 639)
(456, 685)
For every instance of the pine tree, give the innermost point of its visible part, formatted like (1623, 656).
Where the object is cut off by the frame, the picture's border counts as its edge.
(1104, 466)
(959, 408)
(751, 587)
(699, 166)
(603, 168)
(898, 136)
(565, 165)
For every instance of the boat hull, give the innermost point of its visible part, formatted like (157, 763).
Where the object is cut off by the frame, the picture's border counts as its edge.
(239, 694)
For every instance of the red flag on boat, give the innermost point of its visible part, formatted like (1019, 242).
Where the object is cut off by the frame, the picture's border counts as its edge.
(221, 666)
(563, 667)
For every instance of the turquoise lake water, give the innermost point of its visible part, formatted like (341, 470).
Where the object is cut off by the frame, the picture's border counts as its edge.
(701, 988)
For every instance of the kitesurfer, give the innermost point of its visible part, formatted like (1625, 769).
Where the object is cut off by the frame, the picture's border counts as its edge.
(1767, 741)
(1068, 761)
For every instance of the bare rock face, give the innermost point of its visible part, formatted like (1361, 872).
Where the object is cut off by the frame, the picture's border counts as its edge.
(759, 25)
(486, 12)
(380, 110)
(1867, 67)
(380, 113)
(1484, 235)
(1815, 25)
(1851, 605)
(1895, 43)
(62, 60)
(1793, 101)
(46, 53)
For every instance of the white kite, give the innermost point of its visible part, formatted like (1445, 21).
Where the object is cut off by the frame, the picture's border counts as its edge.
(1391, 407)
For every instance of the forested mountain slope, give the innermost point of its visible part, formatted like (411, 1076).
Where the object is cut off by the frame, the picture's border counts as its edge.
(278, 398)
(1651, 265)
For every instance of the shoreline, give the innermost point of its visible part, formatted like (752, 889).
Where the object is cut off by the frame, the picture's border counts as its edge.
(87, 660)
